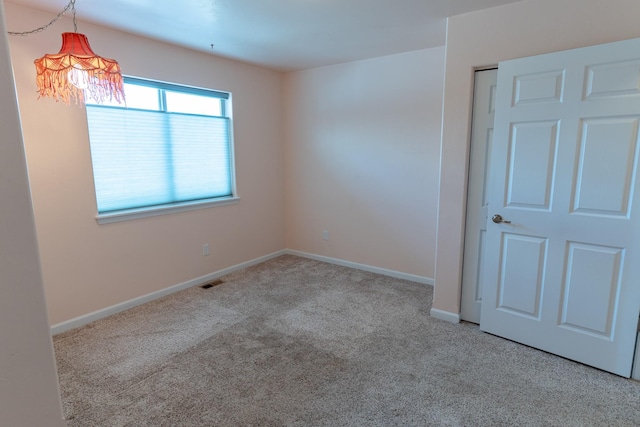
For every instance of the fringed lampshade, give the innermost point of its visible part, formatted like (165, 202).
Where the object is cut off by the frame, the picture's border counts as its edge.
(75, 69)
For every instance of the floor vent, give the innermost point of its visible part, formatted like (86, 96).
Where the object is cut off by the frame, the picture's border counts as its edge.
(212, 284)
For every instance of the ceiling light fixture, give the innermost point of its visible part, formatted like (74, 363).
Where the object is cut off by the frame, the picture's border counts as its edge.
(76, 69)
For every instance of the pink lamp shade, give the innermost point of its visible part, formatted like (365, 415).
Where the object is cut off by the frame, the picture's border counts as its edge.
(76, 68)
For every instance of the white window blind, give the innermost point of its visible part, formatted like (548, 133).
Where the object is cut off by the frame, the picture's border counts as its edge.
(144, 158)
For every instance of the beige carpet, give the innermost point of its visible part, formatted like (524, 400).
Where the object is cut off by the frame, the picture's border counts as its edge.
(296, 342)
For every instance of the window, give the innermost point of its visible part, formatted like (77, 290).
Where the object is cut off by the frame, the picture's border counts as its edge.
(168, 148)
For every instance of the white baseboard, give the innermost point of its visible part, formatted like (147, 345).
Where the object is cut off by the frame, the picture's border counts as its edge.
(445, 315)
(105, 312)
(364, 267)
(109, 311)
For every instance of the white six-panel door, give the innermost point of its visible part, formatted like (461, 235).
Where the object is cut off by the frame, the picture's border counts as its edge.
(564, 274)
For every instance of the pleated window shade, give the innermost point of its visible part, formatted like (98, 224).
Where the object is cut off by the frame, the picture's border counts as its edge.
(169, 145)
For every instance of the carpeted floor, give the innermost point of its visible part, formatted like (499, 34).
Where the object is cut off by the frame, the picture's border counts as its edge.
(297, 342)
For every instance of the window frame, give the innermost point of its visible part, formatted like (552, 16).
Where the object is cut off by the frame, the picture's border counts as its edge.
(175, 207)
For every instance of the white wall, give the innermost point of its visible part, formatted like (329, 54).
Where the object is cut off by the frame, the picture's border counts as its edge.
(483, 38)
(28, 383)
(362, 155)
(88, 267)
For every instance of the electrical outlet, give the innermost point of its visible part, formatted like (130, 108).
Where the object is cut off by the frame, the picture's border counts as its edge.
(325, 235)
(205, 249)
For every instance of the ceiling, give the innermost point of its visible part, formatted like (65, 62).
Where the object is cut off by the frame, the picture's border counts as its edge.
(283, 35)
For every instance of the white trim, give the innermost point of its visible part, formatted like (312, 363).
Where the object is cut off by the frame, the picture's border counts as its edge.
(105, 312)
(364, 267)
(109, 311)
(129, 214)
(445, 315)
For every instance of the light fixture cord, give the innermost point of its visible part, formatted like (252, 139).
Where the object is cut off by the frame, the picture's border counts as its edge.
(71, 5)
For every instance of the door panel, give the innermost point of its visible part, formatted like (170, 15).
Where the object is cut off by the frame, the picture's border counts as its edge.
(531, 164)
(538, 88)
(562, 275)
(586, 308)
(521, 282)
(613, 79)
(608, 151)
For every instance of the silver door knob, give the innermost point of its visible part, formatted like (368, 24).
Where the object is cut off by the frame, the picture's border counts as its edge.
(497, 218)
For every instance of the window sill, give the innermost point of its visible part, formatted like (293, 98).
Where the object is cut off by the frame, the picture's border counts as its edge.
(131, 214)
